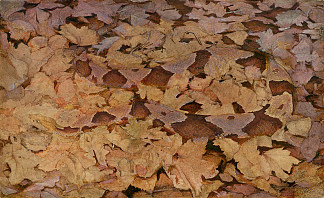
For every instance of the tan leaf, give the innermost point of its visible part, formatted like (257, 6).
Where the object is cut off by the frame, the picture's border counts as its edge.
(8, 74)
(22, 163)
(150, 92)
(94, 143)
(280, 161)
(180, 64)
(253, 165)
(147, 184)
(120, 97)
(172, 99)
(65, 154)
(8, 126)
(20, 29)
(280, 106)
(229, 147)
(86, 86)
(59, 62)
(81, 36)
(209, 187)
(238, 37)
(299, 127)
(66, 90)
(188, 166)
(305, 175)
(165, 113)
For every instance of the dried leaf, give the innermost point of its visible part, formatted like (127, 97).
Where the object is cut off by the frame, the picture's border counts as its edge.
(81, 36)
(183, 174)
(232, 124)
(253, 165)
(229, 147)
(22, 163)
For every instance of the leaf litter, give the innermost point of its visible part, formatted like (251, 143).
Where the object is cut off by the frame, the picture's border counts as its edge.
(141, 98)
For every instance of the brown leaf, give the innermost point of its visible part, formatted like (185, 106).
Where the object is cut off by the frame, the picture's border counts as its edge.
(114, 79)
(262, 124)
(196, 127)
(157, 77)
(102, 118)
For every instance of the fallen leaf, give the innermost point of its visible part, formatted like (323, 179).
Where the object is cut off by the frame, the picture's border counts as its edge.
(81, 36)
(253, 165)
(183, 175)
(22, 163)
(229, 147)
(232, 124)
(238, 37)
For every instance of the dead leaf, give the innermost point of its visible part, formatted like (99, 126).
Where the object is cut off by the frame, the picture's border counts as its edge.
(229, 147)
(232, 124)
(253, 165)
(183, 175)
(81, 36)
(22, 163)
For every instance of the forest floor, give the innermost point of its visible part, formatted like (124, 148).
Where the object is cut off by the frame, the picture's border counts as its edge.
(162, 98)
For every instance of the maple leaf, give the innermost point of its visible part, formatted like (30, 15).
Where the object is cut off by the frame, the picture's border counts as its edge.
(188, 167)
(253, 165)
